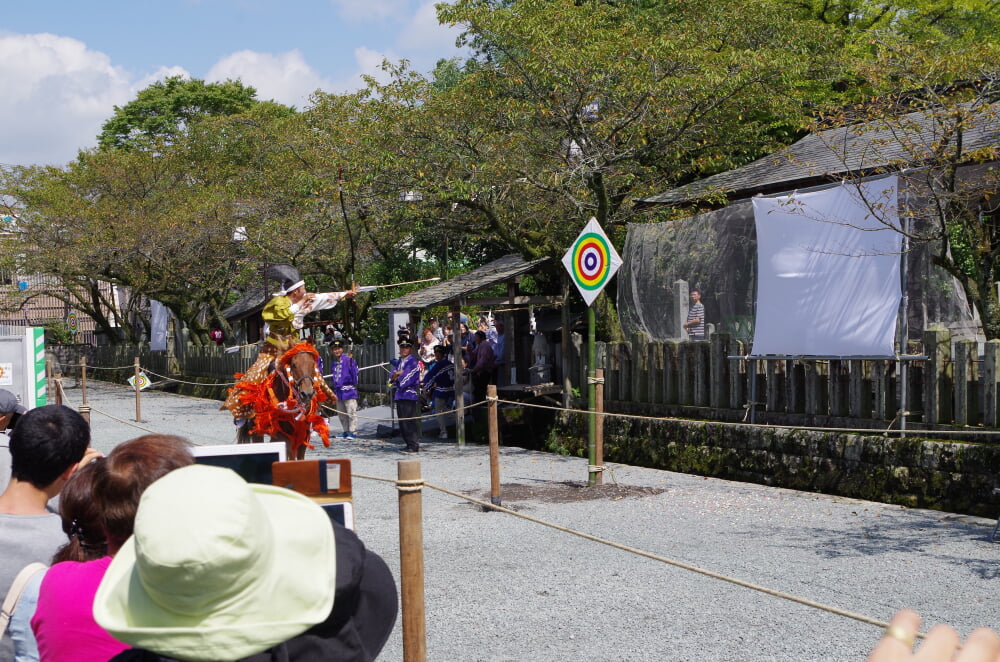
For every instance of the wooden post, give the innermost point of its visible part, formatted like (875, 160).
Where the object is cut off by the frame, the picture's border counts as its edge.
(83, 381)
(965, 406)
(84, 412)
(49, 384)
(836, 387)
(718, 397)
(493, 428)
(937, 373)
(599, 421)
(990, 374)
(138, 406)
(411, 560)
(456, 345)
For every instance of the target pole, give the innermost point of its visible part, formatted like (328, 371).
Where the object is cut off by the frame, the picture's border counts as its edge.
(591, 395)
(591, 262)
(138, 402)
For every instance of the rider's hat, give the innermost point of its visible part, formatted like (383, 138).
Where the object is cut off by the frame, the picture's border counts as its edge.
(285, 274)
(405, 342)
(338, 343)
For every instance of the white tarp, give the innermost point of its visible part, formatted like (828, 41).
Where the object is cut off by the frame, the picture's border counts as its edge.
(159, 317)
(828, 280)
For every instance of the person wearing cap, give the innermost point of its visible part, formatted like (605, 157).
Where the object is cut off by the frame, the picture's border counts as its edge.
(10, 411)
(406, 379)
(48, 445)
(221, 569)
(284, 316)
(439, 382)
(344, 381)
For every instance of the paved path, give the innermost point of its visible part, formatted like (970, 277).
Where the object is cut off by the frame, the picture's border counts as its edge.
(500, 588)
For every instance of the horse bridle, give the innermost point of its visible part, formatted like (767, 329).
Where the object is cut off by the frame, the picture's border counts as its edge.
(293, 385)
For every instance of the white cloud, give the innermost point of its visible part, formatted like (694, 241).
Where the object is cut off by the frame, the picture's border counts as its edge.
(285, 78)
(369, 10)
(56, 96)
(424, 33)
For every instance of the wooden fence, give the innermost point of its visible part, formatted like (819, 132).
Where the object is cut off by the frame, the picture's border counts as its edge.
(697, 380)
(700, 380)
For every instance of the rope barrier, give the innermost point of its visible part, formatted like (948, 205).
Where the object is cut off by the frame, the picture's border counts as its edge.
(655, 557)
(909, 431)
(409, 418)
(181, 381)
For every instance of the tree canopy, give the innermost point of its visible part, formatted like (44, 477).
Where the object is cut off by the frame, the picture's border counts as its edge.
(567, 109)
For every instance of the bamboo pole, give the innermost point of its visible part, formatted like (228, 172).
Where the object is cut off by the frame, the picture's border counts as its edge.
(411, 560)
(599, 431)
(591, 398)
(494, 432)
(138, 405)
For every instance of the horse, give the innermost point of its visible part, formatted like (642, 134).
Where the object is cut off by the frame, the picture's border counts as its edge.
(286, 403)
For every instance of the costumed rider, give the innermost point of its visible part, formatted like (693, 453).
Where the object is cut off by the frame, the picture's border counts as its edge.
(283, 316)
(344, 379)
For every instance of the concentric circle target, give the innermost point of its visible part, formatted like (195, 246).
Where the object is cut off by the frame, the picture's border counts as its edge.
(591, 261)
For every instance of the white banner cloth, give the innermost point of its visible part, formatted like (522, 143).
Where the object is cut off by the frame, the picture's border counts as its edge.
(828, 280)
(159, 315)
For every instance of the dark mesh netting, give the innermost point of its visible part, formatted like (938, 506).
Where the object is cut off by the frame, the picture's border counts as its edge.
(714, 252)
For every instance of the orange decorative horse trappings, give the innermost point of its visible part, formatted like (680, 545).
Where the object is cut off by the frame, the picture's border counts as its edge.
(286, 404)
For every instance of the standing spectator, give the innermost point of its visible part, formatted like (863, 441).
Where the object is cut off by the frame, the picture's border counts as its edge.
(64, 621)
(344, 380)
(48, 445)
(483, 366)
(436, 328)
(439, 383)
(407, 381)
(427, 344)
(10, 411)
(465, 340)
(695, 324)
(500, 352)
(85, 541)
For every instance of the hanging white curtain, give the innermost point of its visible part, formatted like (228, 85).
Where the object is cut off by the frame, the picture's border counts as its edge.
(159, 316)
(828, 280)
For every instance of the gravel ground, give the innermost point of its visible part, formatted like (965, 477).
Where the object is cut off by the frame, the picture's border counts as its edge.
(499, 588)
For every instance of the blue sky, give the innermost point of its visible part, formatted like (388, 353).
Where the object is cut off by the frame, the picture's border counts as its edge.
(65, 64)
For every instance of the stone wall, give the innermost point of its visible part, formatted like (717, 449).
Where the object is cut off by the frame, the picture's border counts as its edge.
(949, 476)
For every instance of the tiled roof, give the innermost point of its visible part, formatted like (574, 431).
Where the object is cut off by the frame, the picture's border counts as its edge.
(855, 150)
(251, 302)
(451, 290)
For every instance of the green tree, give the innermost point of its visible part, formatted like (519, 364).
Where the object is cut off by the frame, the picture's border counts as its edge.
(933, 115)
(166, 109)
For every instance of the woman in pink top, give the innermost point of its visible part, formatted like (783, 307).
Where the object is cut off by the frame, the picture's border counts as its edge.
(63, 623)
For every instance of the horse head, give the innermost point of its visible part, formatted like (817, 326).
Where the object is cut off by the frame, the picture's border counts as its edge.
(302, 375)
